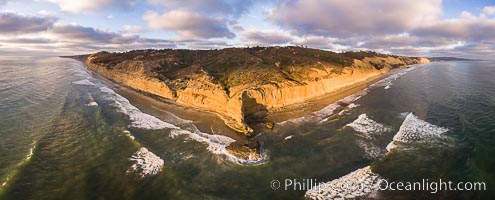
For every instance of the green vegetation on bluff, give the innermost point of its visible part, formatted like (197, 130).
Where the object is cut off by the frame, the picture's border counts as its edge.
(235, 66)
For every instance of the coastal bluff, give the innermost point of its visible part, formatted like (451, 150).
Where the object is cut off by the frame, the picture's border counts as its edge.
(243, 85)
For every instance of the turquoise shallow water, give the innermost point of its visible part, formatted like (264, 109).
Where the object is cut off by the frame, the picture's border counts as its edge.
(82, 152)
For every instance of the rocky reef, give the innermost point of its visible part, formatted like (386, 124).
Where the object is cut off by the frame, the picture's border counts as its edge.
(242, 85)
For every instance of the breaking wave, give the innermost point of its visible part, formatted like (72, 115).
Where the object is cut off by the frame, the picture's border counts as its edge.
(27, 158)
(129, 135)
(387, 82)
(216, 143)
(323, 114)
(363, 124)
(368, 128)
(371, 150)
(415, 130)
(92, 102)
(138, 118)
(356, 184)
(84, 82)
(146, 163)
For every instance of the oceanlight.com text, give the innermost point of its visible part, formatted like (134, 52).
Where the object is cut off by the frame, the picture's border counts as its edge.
(432, 186)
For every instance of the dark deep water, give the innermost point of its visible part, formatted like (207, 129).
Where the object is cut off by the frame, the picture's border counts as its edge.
(54, 146)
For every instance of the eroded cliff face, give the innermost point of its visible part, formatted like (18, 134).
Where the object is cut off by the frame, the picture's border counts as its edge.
(243, 101)
(199, 92)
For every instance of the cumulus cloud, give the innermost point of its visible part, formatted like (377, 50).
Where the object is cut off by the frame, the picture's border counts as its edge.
(354, 17)
(188, 24)
(466, 27)
(41, 34)
(265, 37)
(89, 34)
(197, 19)
(399, 27)
(90, 39)
(14, 23)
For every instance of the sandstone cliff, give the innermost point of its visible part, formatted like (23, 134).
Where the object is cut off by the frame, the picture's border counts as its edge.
(242, 85)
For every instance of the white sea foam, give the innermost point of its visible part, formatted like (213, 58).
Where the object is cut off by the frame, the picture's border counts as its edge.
(352, 105)
(404, 114)
(296, 120)
(322, 115)
(84, 82)
(129, 135)
(21, 163)
(327, 110)
(5, 182)
(176, 119)
(78, 68)
(92, 104)
(138, 118)
(372, 151)
(216, 143)
(348, 108)
(415, 130)
(289, 137)
(387, 82)
(30, 154)
(146, 163)
(367, 126)
(356, 184)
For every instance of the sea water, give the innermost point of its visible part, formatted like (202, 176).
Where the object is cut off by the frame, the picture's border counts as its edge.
(68, 134)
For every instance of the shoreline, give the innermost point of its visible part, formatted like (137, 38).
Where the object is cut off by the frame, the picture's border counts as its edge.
(245, 105)
(318, 103)
(288, 112)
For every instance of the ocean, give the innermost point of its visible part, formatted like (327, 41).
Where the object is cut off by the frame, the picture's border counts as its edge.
(68, 134)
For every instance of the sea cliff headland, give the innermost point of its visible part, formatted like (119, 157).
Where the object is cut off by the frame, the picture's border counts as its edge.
(242, 85)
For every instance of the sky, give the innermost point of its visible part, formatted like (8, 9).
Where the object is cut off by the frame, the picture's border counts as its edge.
(459, 28)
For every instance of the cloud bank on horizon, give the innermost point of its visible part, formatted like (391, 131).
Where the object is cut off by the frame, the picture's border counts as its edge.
(415, 28)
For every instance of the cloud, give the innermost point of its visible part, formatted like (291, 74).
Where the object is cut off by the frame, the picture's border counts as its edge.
(207, 44)
(14, 23)
(188, 24)
(80, 34)
(79, 6)
(73, 39)
(88, 34)
(354, 17)
(400, 27)
(197, 19)
(265, 37)
(489, 10)
(27, 40)
(319, 42)
(466, 28)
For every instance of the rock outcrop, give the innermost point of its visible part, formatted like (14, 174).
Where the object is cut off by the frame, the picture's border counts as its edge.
(242, 85)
